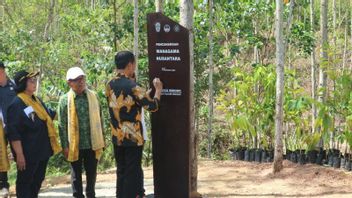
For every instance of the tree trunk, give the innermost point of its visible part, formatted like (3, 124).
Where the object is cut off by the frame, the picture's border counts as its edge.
(334, 10)
(351, 36)
(116, 8)
(9, 14)
(323, 54)
(339, 9)
(159, 5)
(255, 50)
(288, 32)
(135, 37)
(92, 4)
(186, 19)
(211, 91)
(313, 69)
(280, 60)
(344, 59)
(289, 20)
(324, 49)
(256, 85)
(334, 24)
(50, 20)
(2, 15)
(115, 26)
(46, 39)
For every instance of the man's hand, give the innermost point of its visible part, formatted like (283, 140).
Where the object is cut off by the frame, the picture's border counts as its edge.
(21, 162)
(65, 151)
(157, 84)
(158, 87)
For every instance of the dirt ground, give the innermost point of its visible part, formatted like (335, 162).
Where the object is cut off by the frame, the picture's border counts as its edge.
(246, 179)
(237, 179)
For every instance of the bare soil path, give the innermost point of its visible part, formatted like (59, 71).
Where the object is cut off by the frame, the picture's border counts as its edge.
(237, 179)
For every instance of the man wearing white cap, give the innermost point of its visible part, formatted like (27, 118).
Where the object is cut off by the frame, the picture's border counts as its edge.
(81, 131)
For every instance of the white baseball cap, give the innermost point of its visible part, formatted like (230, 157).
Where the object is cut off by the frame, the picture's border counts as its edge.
(74, 72)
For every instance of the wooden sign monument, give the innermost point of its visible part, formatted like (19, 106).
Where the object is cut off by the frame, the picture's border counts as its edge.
(169, 60)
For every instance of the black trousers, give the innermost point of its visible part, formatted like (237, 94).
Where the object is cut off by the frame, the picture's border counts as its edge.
(4, 180)
(29, 181)
(129, 183)
(88, 160)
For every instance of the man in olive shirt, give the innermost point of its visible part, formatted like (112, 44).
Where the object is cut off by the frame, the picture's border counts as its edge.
(7, 94)
(80, 130)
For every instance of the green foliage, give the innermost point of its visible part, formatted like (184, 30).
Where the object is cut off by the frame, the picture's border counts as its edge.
(336, 106)
(78, 36)
(302, 37)
(249, 106)
(346, 136)
(244, 87)
(311, 141)
(222, 140)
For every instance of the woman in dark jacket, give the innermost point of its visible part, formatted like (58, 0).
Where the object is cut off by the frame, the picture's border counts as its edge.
(32, 135)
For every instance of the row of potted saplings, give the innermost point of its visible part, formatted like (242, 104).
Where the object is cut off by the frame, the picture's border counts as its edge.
(331, 157)
(294, 152)
(254, 152)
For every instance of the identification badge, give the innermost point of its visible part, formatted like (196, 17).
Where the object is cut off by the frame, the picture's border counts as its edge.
(28, 111)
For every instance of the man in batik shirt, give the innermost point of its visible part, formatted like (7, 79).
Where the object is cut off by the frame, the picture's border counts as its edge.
(126, 100)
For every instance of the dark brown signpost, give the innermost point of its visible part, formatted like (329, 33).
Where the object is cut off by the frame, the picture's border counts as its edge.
(168, 49)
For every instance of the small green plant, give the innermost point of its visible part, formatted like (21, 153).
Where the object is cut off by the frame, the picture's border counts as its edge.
(311, 141)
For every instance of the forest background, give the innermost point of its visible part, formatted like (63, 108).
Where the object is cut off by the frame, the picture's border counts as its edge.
(53, 35)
